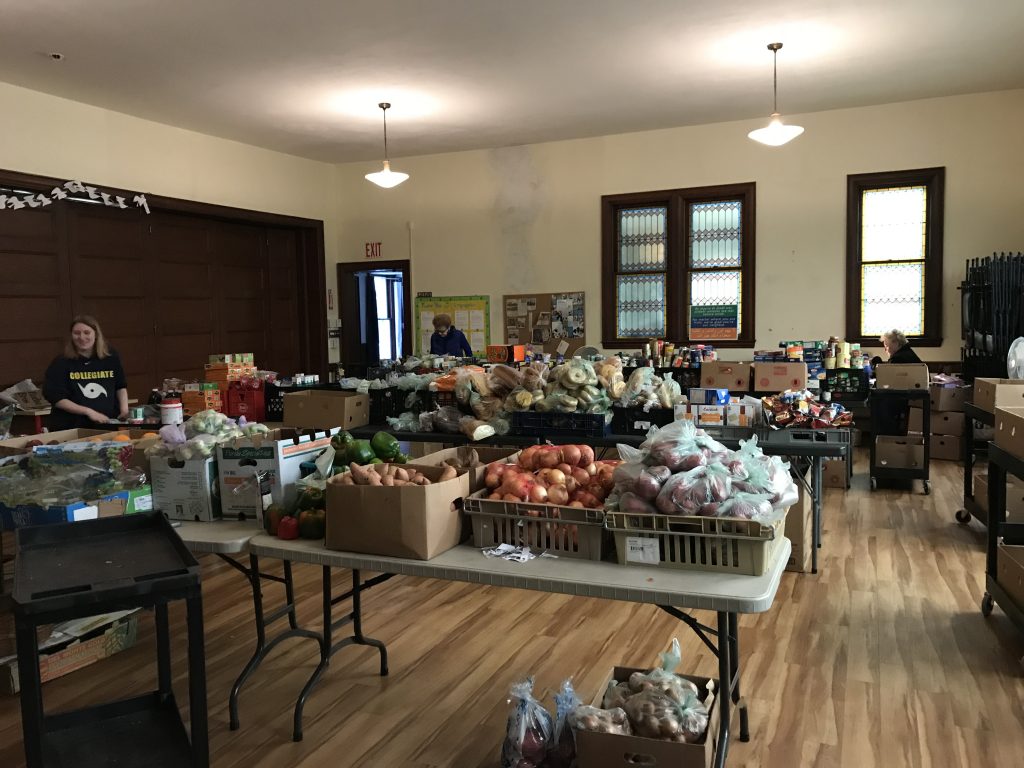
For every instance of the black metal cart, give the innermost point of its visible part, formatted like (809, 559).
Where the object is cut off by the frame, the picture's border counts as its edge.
(894, 397)
(72, 570)
(971, 507)
(1000, 462)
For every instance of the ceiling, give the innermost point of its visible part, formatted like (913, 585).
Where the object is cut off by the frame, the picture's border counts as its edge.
(304, 77)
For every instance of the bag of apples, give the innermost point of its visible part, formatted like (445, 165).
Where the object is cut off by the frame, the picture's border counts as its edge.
(530, 729)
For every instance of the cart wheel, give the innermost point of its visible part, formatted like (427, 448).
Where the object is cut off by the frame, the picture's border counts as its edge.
(986, 605)
(874, 484)
(963, 516)
(927, 488)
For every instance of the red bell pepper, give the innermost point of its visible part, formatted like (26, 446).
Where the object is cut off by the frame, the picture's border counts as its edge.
(288, 528)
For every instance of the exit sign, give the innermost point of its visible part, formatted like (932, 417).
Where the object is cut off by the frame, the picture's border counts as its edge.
(373, 250)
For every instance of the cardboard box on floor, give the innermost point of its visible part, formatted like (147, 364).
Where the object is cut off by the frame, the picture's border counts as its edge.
(726, 375)
(800, 530)
(899, 452)
(949, 398)
(186, 490)
(609, 750)
(901, 376)
(946, 447)
(75, 644)
(1010, 430)
(324, 409)
(990, 394)
(414, 521)
(833, 475)
(476, 474)
(1010, 572)
(16, 446)
(941, 422)
(778, 377)
(278, 453)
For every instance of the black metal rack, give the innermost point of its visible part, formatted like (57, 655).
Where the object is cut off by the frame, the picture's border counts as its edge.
(991, 312)
(900, 473)
(999, 464)
(72, 570)
(972, 508)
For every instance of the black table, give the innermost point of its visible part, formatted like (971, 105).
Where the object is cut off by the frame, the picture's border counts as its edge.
(971, 507)
(900, 473)
(73, 570)
(1000, 463)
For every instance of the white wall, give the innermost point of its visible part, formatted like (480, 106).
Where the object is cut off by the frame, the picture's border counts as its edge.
(527, 218)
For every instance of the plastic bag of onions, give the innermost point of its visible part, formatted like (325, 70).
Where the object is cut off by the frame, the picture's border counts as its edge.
(562, 750)
(587, 718)
(656, 716)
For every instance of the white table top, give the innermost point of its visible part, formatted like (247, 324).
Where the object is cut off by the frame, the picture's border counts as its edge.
(638, 584)
(226, 537)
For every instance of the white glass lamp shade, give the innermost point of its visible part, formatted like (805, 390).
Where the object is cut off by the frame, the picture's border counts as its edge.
(388, 178)
(776, 133)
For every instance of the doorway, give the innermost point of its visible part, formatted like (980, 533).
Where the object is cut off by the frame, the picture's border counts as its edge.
(375, 311)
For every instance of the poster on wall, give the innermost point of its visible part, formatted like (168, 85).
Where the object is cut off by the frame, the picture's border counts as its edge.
(714, 322)
(546, 320)
(469, 314)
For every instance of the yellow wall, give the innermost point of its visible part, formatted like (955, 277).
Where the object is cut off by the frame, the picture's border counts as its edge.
(526, 218)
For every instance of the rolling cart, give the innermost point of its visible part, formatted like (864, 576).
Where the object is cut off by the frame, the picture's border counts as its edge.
(894, 397)
(971, 507)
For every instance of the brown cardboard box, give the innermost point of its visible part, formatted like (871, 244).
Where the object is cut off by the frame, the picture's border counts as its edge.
(1010, 430)
(833, 473)
(990, 394)
(899, 452)
(1010, 572)
(947, 423)
(949, 398)
(476, 475)
(778, 377)
(902, 376)
(609, 750)
(324, 409)
(800, 530)
(725, 375)
(1014, 496)
(414, 521)
(17, 445)
(946, 447)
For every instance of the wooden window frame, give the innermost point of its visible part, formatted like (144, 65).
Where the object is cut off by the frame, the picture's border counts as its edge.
(934, 182)
(677, 273)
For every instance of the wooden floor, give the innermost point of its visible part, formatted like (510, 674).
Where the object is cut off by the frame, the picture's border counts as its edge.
(883, 659)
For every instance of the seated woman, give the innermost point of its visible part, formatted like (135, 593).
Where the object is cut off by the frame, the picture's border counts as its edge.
(893, 415)
(447, 340)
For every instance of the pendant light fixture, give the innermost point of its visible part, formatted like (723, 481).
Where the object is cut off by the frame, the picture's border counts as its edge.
(776, 133)
(386, 178)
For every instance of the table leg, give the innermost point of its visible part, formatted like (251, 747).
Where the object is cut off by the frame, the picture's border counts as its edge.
(967, 458)
(163, 649)
(39, 424)
(197, 683)
(31, 692)
(724, 701)
(734, 661)
(325, 656)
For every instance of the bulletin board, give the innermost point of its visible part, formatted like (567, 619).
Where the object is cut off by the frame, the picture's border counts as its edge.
(545, 320)
(470, 314)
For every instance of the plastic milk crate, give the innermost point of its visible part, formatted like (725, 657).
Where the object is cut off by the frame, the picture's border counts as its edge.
(563, 531)
(687, 542)
(582, 425)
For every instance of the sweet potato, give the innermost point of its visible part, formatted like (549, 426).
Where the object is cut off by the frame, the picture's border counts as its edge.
(360, 475)
(449, 473)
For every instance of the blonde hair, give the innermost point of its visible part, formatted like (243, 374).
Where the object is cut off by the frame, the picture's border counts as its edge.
(442, 321)
(100, 350)
(895, 337)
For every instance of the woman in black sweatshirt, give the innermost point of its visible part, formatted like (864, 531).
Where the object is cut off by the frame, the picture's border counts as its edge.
(85, 385)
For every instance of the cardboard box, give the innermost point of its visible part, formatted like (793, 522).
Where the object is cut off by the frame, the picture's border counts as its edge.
(711, 415)
(414, 521)
(279, 453)
(506, 353)
(734, 377)
(324, 409)
(1014, 497)
(686, 412)
(186, 490)
(800, 530)
(990, 394)
(1010, 572)
(609, 750)
(128, 502)
(15, 446)
(899, 452)
(946, 447)
(901, 376)
(949, 398)
(778, 377)
(21, 515)
(1010, 430)
(708, 396)
(740, 415)
(942, 422)
(76, 644)
(833, 475)
(476, 475)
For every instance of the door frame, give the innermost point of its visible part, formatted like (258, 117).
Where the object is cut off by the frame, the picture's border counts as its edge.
(348, 269)
(310, 244)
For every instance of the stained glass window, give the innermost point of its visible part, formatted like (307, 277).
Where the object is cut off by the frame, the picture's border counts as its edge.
(892, 297)
(715, 254)
(641, 304)
(642, 262)
(642, 237)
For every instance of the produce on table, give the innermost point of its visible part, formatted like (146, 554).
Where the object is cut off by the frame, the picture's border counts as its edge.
(573, 387)
(69, 473)
(310, 498)
(360, 452)
(647, 390)
(562, 749)
(340, 441)
(465, 458)
(529, 731)
(389, 475)
(609, 376)
(288, 528)
(200, 435)
(680, 470)
(503, 379)
(587, 718)
(272, 517)
(312, 523)
(563, 475)
(802, 410)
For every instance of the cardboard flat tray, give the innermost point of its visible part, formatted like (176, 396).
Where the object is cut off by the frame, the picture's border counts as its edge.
(72, 565)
